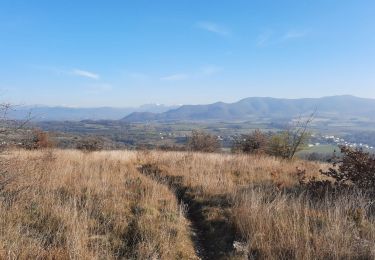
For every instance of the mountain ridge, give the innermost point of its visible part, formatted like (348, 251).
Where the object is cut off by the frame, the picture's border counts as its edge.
(247, 108)
(61, 113)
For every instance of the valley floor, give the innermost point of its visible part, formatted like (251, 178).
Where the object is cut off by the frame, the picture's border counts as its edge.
(66, 204)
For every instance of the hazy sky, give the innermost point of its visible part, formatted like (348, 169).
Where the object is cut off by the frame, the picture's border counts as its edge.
(125, 53)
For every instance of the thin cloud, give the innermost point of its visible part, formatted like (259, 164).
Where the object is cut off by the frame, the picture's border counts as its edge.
(264, 38)
(293, 34)
(214, 28)
(85, 73)
(269, 37)
(175, 77)
(67, 72)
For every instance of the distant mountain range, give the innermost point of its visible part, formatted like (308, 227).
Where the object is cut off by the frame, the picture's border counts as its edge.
(245, 109)
(264, 107)
(46, 113)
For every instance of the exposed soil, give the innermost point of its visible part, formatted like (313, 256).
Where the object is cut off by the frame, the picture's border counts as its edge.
(213, 237)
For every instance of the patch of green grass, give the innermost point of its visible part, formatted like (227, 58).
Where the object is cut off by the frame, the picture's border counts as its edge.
(321, 149)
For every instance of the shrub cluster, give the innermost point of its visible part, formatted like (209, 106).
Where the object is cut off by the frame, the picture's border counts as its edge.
(255, 142)
(353, 169)
(38, 139)
(203, 142)
(90, 144)
(284, 144)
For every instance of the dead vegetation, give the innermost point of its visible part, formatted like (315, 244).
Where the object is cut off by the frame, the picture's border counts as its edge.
(174, 205)
(74, 205)
(256, 204)
(201, 141)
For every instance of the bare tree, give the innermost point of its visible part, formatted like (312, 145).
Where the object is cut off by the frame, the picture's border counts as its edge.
(5, 178)
(4, 110)
(9, 127)
(287, 143)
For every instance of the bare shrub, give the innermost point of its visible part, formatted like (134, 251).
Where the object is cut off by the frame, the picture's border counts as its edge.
(171, 147)
(43, 139)
(315, 187)
(37, 139)
(90, 144)
(203, 142)
(255, 142)
(4, 129)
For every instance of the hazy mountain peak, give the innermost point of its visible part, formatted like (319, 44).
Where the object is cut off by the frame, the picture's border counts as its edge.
(247, 108)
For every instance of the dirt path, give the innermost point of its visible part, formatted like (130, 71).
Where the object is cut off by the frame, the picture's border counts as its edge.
(213, 238)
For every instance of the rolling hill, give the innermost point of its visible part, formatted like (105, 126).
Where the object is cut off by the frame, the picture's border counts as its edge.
(256, 107)
(60, 113)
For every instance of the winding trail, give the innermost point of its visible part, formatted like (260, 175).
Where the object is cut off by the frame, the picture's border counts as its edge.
(213, 239)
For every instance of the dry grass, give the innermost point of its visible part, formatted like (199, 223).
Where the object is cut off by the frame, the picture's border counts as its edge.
(69, 204)
(289, 227)
(217, 174)
(272, 216)
(88, 206)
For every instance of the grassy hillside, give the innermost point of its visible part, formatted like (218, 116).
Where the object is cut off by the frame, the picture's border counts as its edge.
(66, 204)
(173, 205)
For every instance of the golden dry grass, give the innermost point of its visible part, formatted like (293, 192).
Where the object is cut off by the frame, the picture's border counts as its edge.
(226, 173)
(288, 227)
(69, 204)
(273, 218)
(88, 206)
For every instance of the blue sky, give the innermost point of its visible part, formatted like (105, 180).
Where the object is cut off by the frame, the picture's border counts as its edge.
(127, 53)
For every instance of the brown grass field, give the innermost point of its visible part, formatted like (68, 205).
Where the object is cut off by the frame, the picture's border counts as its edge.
(66, 204)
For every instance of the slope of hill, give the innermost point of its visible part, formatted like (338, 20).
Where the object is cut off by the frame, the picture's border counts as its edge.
(63, 204)
(45, 113)
(334, 106)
